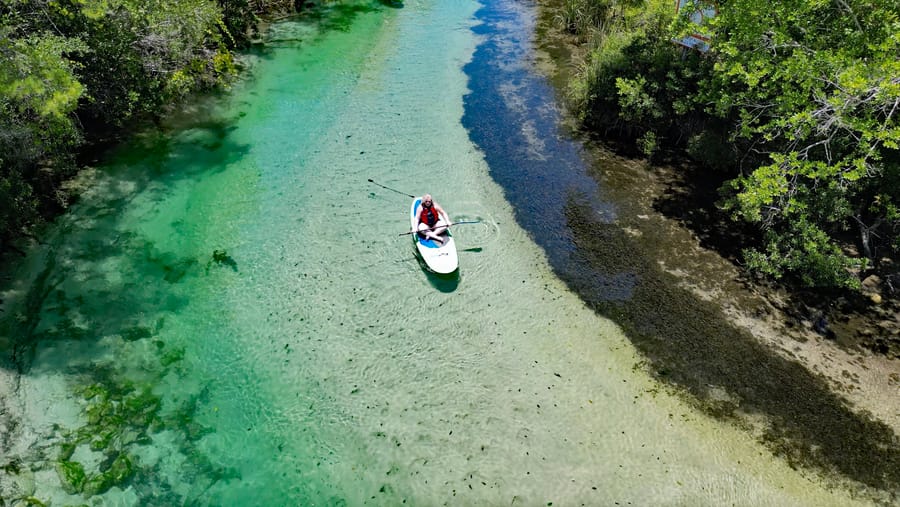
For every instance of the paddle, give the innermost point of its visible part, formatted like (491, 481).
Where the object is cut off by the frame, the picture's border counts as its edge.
(432, 228)
(391, 189)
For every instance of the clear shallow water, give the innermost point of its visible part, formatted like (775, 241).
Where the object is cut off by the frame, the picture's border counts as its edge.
(316, 362)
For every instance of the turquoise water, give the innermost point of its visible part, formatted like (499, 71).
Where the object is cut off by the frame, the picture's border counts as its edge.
(231, 315)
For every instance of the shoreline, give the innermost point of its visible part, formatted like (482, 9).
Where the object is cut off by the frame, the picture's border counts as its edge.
(782, 322)
(867, 381)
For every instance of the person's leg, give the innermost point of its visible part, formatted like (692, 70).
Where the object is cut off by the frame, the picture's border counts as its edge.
(425, 231)
(440, 228)
(429, 233)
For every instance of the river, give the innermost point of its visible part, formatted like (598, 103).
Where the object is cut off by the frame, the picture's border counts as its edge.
(232, 316)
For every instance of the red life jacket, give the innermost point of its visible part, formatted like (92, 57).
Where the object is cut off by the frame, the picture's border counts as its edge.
(429, 216)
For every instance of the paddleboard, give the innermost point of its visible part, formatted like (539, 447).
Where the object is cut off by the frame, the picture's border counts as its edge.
(439, 258)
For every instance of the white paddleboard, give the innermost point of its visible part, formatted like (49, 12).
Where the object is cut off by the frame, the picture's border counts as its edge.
(439, 258)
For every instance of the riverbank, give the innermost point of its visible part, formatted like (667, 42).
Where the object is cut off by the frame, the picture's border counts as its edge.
(850, 341)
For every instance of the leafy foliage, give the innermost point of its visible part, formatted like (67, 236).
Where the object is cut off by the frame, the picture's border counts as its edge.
(76, 70)
(816, 87)
(635, 83)
(142, 54)
(38, 93)
(807, 93)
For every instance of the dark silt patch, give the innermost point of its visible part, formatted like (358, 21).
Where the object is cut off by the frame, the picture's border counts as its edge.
(511, 115)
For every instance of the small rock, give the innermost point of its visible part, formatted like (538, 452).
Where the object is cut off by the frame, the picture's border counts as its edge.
(871, 284)
(871, 287)
(821, 326)
(20, 485)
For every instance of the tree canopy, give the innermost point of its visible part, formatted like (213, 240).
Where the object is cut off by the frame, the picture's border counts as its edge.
(816, 87)
(73, 71)
(807, 94)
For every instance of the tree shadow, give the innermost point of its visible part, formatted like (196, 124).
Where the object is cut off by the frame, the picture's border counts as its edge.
(96, 276)
(326, 18)
(687, 341)
(847, 317)
(691, 197)
(74, 294)
(689, 344)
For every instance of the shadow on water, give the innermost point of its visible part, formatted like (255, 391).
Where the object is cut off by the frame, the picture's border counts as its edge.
(326, 18)
(687, 341)
(840, 315)
(73, 297)
(444, 283)
(690, 344)
(99, 279)
(339, 17)
(394, 4)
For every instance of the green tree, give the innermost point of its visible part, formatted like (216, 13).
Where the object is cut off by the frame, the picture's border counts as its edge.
(75, 67)
(82, 72)
(635, 83)
(815, 89)
(797, 99)
(143, 53)
(38, 96)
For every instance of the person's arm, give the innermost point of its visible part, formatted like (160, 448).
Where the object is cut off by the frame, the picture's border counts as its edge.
(444, 214)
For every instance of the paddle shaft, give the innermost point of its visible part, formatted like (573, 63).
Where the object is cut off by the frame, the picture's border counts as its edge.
(391, 189)
(448, 225)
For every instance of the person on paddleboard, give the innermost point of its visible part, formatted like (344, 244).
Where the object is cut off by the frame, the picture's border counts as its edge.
(433, 220)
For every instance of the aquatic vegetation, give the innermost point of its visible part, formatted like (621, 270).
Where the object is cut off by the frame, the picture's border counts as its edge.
(102, 441)
(221, 258)
(65, 329)
(66, 450)
(119, 417)
(30, 500)
(172, 356)
(115, 419)
(71, 476)
(120, 471)
(136, 333)
(75, 480)
(184, 417)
